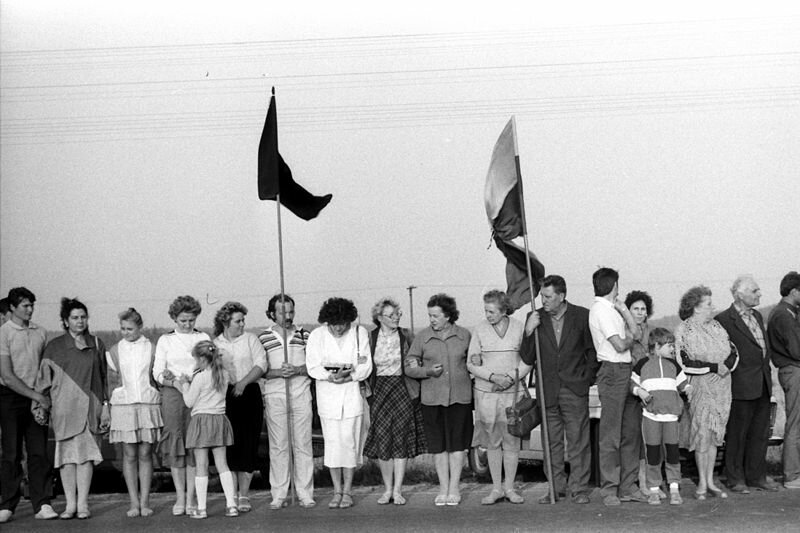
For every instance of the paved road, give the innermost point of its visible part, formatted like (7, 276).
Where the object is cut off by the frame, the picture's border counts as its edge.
(758, 512)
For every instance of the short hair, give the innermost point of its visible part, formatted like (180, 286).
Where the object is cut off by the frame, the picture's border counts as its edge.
(447, 304)
(223, 317)
(184, 304)
(377, 309)
(337, 311)
(67, 306)
(557, 282)
(131, 315)
(275, 300)
(4, 306)
(659, 337)
(603, 280)
(17, 294)
(739, 281)
(691, 299)
(499, 298)
(636, 296)
(790, 281)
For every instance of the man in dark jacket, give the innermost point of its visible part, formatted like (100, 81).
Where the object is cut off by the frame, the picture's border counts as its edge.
(747, 434)
(569, 364)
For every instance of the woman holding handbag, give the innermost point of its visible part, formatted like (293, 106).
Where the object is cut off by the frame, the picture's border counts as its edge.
(495, 363)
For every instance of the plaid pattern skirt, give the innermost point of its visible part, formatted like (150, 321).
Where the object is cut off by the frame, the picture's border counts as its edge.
(396, 430)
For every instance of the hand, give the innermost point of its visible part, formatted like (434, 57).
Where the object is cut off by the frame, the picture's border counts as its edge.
(105, 418)
(435, 371)
(44, 401)
(476, 359)
(532, 323)
(687, 390)
(713, 378)
(181, 380)
(643, 395)
(288, 370)
(503, 381)
(723, 370)
(167, 375)
(238, 389)
(620, 306)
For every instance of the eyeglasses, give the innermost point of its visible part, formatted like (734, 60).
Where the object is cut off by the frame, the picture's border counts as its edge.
(394, 316)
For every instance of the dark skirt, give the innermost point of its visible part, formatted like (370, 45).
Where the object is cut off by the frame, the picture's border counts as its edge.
(209, 431)
(396, 428)
(448, 428)
(246, 414)
(176, 416)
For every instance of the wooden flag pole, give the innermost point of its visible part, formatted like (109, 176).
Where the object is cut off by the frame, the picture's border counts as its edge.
(285, 336)
(548, 465)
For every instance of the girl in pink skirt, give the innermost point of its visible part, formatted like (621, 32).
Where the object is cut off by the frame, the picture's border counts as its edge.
(209, 428)
(135, 408)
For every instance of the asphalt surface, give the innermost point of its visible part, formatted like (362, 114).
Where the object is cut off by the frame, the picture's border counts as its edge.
(759, 512)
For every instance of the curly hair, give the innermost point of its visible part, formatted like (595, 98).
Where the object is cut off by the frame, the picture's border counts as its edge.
(223, 317)
(500, 299)
(275, 300)
(691, 299)
(640, 296)
(131, 315)
(184, 304)
(337, 311)
(377, 309)
(447, 304)
(67, 306)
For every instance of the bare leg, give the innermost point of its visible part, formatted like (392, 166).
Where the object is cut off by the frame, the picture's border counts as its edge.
(70, 484)
(130, 471)
(399, 474)
(711, 459)
(336, 478)
(456, 461)
(179, 480)
(347, 478)
(145, 477)
(243, 480)
(702, 471)
(387, 473)
(442, 461)
(84, 478)
(226, 477)
(495, 458)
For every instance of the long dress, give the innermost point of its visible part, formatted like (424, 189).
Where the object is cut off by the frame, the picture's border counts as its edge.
(710, 397)
(73, 373)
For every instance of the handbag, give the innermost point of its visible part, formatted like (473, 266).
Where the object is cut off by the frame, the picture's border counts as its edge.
(525, 414)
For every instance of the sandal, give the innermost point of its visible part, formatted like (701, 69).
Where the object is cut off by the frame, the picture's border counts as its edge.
(347, 501)
(700, 495)
(398, 499)
(178, 509)
(335, 501)
(83, 515)
(67, 515)
(385, 498)
(244, 504)
(191, 510)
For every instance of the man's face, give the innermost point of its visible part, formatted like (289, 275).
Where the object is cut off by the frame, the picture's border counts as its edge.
(23, 312)
(749, 294)
(551, 300)
(284, 314)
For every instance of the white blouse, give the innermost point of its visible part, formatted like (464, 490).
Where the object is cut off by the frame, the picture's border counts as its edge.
(174, 353)
(241, 355)
(134, 370)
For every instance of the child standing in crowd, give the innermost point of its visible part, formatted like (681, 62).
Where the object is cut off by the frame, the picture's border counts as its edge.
(657, 379)
(209, 427)
(135, 408)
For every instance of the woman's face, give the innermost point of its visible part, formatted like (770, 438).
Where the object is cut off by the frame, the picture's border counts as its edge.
(77, 321)
(185, 322)
(493, 312)
(704, 311)
(639, 311)
(337, 330)
(130, 330)
(437, 318)
(390, 317)
(235, 327)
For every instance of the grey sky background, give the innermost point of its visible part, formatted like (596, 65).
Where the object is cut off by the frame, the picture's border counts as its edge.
(664, 143)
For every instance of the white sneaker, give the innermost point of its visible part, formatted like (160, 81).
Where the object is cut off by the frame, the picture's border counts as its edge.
(46, 512)
(793, 484)
(5, 515)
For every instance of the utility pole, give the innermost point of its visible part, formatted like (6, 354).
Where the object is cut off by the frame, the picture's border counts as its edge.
(411, 304)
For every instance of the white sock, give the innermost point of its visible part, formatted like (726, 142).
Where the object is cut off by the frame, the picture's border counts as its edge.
(654, 490)
(201, 488)
(226, 479)
(673, 487)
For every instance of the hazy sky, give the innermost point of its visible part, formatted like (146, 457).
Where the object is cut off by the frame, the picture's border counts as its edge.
(664, 143)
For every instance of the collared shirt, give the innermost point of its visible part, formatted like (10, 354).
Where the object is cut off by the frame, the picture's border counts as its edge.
(428, 349)
(387, 357)
(752, 324)
(273, 344)
(605, 322)
(134, 360)
(241, 355)
(558, 323)
(24, 346)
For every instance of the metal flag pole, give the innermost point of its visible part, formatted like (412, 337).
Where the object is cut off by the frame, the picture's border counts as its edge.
(283, 329)
(539, 380)
(411, 305)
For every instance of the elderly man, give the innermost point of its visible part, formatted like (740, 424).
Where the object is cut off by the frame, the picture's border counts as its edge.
(620, 430)
(569, 364)
(21, 346)
(783, 335)
(747, 433)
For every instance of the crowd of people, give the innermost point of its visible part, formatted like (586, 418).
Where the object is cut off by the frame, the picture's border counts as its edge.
(392, 395)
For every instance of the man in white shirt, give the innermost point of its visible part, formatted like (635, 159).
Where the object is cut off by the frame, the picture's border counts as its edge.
(620, 435)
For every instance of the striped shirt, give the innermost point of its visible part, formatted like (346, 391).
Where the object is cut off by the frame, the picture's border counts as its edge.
(662, 378)
(273, 344)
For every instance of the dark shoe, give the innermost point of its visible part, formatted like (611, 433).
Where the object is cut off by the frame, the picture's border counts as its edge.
(611, 501)
(545, 500)
(635, 496)
(739, 488)
(580, 498)
(766, 485)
